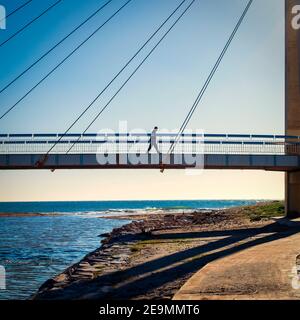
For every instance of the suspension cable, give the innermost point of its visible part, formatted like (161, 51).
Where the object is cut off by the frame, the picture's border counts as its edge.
(30, 23)
(16, 10)
(207, 82)
(134, 72)
(55, 46)
(117, 75)
(64, 60)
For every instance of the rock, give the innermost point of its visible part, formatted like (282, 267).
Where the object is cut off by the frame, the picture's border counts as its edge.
(117, 262)
(61, 277)
(84, 264)
(105, 235)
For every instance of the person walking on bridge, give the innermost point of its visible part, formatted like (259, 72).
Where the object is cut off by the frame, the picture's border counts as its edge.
(153, 140)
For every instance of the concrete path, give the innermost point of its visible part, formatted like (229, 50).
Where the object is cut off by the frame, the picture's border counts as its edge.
(265, 271)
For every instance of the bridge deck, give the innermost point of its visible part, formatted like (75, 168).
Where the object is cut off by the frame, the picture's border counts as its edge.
(124, 150)
(151, 161)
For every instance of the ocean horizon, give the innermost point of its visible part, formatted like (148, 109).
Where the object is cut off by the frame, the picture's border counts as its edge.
(108, 206)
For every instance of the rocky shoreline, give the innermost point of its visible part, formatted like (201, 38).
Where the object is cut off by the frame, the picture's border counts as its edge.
(114, 253)
(132, 260)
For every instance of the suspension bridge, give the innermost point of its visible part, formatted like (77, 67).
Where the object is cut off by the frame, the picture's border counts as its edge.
(177, 151)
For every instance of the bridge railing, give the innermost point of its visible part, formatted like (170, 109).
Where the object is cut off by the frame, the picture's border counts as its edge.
(138, 143)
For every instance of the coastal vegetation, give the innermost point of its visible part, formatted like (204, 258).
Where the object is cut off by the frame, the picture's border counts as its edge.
(265, 211)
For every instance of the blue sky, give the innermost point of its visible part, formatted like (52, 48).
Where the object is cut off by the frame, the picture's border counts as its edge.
(246, 95)
(248, 85)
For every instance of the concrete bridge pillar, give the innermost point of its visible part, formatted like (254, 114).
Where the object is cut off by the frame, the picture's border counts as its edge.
(292, 103)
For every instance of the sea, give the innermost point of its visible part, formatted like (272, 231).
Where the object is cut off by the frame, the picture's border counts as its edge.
(36, 248)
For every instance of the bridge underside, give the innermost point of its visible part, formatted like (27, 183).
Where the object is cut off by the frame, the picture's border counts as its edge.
(151, 161)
